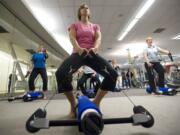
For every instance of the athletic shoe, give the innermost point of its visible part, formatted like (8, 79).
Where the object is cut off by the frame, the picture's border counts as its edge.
(165, 89)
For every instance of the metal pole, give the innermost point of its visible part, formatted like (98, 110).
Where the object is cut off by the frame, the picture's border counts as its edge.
(18, 67)
(13, 74)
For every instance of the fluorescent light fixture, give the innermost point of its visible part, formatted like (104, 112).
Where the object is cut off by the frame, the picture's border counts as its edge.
(131, 25)
(176, 37)
(64, 42)
(123, 35)
(136, 18)
(46, 20)
(143, 10)
(50, 22)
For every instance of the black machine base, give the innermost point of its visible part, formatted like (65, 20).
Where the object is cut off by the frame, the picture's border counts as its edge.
(38, 121)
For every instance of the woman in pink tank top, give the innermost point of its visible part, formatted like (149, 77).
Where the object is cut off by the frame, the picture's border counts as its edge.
(84, 35)
(86, 39)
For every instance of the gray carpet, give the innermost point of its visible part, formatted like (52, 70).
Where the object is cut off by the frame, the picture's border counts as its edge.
(165, 109)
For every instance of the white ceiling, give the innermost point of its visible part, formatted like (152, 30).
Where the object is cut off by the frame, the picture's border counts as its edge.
(113, 16)
(22, 37)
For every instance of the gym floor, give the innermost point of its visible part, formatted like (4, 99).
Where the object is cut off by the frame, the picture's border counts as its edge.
(165, 109)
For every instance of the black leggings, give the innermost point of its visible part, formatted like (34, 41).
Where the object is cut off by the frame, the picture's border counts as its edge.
(75, 61)
(34, 73)
(160, 70)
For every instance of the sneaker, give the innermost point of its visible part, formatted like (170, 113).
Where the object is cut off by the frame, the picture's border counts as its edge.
(150, 90)
(165, 89)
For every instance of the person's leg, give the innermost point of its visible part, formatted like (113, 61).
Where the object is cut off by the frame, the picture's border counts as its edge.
(72, 102)
(150, 77)
(101, 66)
(126, 83)
(160, 70)
(32, 77)
(99, 96)
(118, 83)
(64, 78)
(123, 82)
(9, 86)
(44, 77)
(129, 82)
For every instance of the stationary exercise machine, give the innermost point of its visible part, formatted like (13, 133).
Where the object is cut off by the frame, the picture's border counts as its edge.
(163, 91)
(88, 118)
(28, 96)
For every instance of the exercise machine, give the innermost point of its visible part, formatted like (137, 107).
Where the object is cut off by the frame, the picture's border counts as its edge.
(88, 118)
(173, 81)
(28, 96)
(163, 91)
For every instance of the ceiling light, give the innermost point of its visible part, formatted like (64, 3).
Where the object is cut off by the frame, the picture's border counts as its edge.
(176, 37)
(123, 35)
(144, 8)
(136, 18)
(50, 23)
(131, 25)
(64, 42)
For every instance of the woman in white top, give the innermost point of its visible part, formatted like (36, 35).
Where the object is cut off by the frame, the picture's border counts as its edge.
(152, 62)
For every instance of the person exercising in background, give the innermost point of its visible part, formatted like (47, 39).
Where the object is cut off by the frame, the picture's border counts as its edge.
(38, 66)
(118, 70)
(129, 76)
(86, 39)
(152, 62)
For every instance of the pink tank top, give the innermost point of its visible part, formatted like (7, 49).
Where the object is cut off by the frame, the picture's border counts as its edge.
(85, 34)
